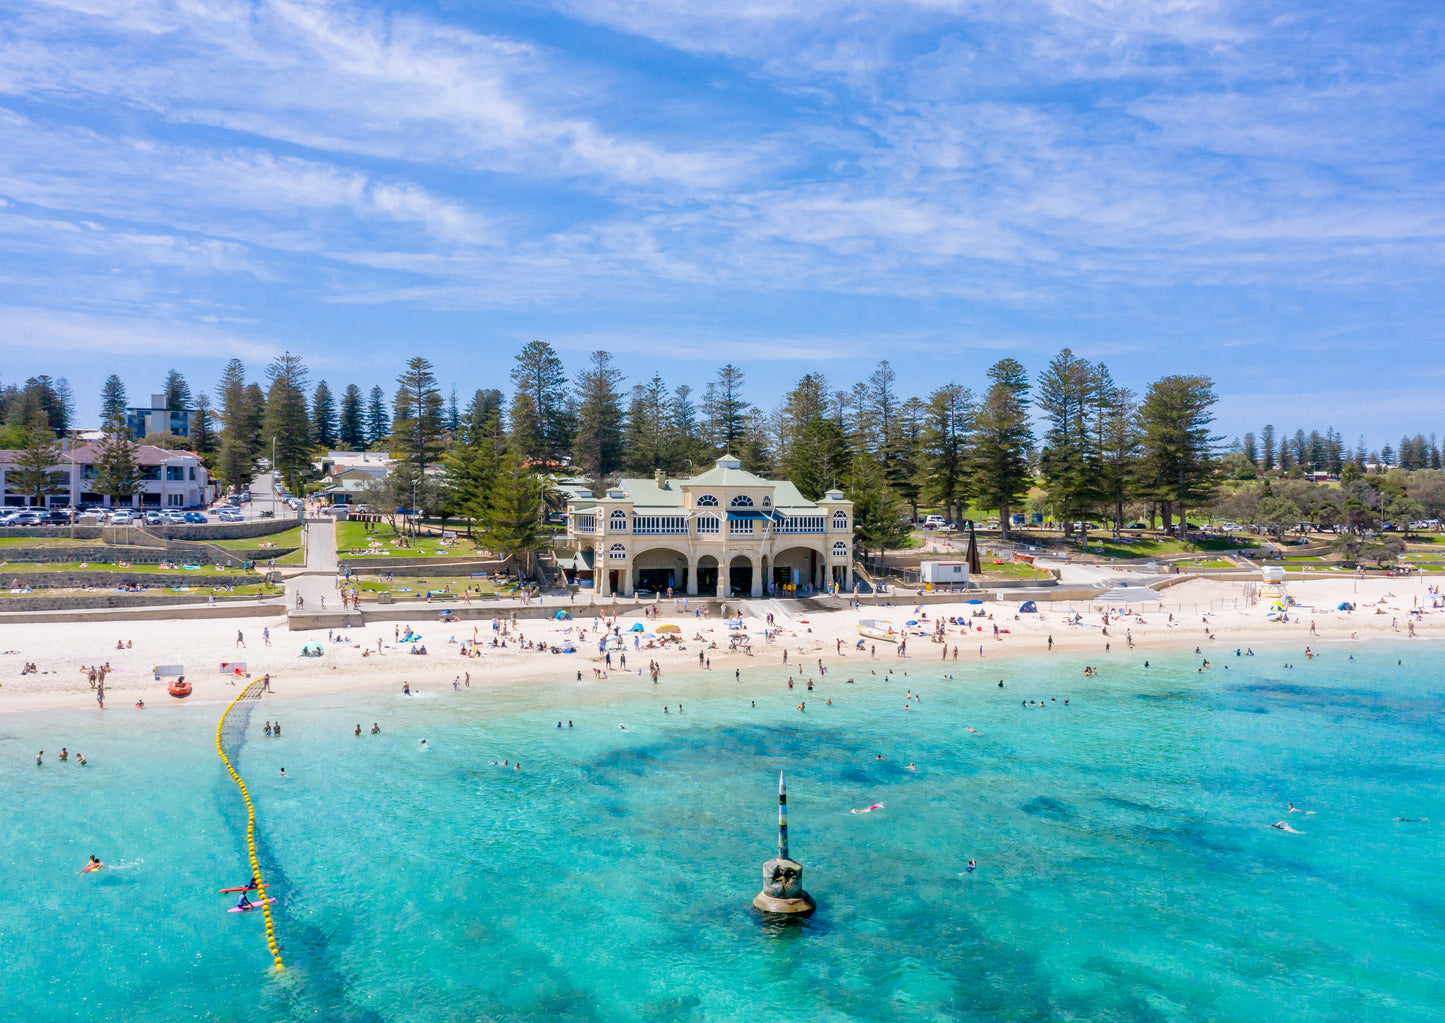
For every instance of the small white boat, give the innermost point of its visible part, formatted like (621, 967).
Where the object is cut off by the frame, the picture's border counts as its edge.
(873, 628)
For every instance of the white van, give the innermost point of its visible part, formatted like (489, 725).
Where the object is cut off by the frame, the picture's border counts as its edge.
(935, 522)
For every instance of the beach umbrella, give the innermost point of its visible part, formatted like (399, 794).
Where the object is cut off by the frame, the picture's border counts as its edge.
(973, 602)
(975, 566)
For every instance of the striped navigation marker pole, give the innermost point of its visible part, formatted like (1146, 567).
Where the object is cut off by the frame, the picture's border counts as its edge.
(782, 817)
(783, 893)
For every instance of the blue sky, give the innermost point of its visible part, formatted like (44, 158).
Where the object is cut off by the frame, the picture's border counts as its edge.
(1248, 190)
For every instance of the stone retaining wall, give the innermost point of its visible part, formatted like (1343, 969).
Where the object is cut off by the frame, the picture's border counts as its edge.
(209, 531)
(77, 578)
(40, 602)
(110, 555)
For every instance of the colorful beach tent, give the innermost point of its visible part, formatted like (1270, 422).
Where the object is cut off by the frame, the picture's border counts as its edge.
(1346, 606)
(1029, 607)
(562, 616)
(312, 649)
(637, 627)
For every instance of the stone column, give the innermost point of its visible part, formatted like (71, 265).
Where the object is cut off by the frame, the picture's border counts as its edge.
(599, 571)
(691, 588)
(626, 570)
(757, 574)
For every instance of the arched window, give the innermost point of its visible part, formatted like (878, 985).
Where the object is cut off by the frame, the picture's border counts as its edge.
(617, 553)
(767, 502)
(840, 549)
(617, 521)
(742, 501)
(840, 519)
(707, 501)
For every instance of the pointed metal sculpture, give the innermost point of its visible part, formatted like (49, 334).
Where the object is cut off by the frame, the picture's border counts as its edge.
(783, 876)
(975, 565)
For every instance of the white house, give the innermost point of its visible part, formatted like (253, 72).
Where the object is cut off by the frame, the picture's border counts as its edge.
(726, 532)
(169, 479)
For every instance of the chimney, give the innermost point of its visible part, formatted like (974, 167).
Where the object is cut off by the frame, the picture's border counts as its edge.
(660, 478)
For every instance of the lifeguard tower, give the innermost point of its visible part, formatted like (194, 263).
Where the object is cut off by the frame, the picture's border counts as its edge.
(1274, 595)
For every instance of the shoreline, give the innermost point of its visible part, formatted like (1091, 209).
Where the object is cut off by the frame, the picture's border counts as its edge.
(60, 650)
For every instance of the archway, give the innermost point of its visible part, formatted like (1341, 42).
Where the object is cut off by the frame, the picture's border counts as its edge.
(707, 575)
(659, 570)
(740, 577)
(794, 569)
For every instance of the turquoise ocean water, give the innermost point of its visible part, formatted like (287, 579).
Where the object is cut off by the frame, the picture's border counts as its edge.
(1127, 870)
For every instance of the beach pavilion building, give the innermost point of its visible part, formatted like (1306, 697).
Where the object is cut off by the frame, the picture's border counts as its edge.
(724, 533)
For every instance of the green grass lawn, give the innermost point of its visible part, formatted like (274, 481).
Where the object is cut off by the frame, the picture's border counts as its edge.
(290, 538)
(355, 536)
(44, 541)
(412, 589)
(207, 572)
(1014, 570)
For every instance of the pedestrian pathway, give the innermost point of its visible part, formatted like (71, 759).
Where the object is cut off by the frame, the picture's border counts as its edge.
(316, 584)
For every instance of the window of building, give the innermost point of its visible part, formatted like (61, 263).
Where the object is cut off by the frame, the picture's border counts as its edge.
(840, 520)
(175, 500)
(707, 526)
(740, 527)
(176, 473)
(585, 523)
(193, 474)
(840, 549)
(707, 501)
(742, 501)
(617, 522)
(767, 502)
(617, 552)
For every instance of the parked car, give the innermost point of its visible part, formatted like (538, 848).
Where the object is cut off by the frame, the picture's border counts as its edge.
(230, 515)
(268, 514)
(28, 517)
(123, 517)
(935, 522)
(153, 518)
(1136, 525)
(195, 517)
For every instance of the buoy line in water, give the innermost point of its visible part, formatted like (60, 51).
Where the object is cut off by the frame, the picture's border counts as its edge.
(251, 692)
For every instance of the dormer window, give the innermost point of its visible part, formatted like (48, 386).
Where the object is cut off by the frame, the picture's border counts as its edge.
(707, 501)
(742, 501)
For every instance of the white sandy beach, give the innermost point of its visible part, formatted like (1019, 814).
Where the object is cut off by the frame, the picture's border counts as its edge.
(62, 651)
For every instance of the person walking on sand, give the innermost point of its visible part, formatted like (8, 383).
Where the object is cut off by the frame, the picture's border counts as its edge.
(240, 639)
(266, 635)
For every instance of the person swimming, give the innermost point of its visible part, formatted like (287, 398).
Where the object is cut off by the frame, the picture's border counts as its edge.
(972, 866)
(1282, 826)
(868, 809)
(1295, 809)
(94, 864)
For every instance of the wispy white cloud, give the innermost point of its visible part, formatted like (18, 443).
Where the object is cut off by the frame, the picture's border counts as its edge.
(76, 333)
